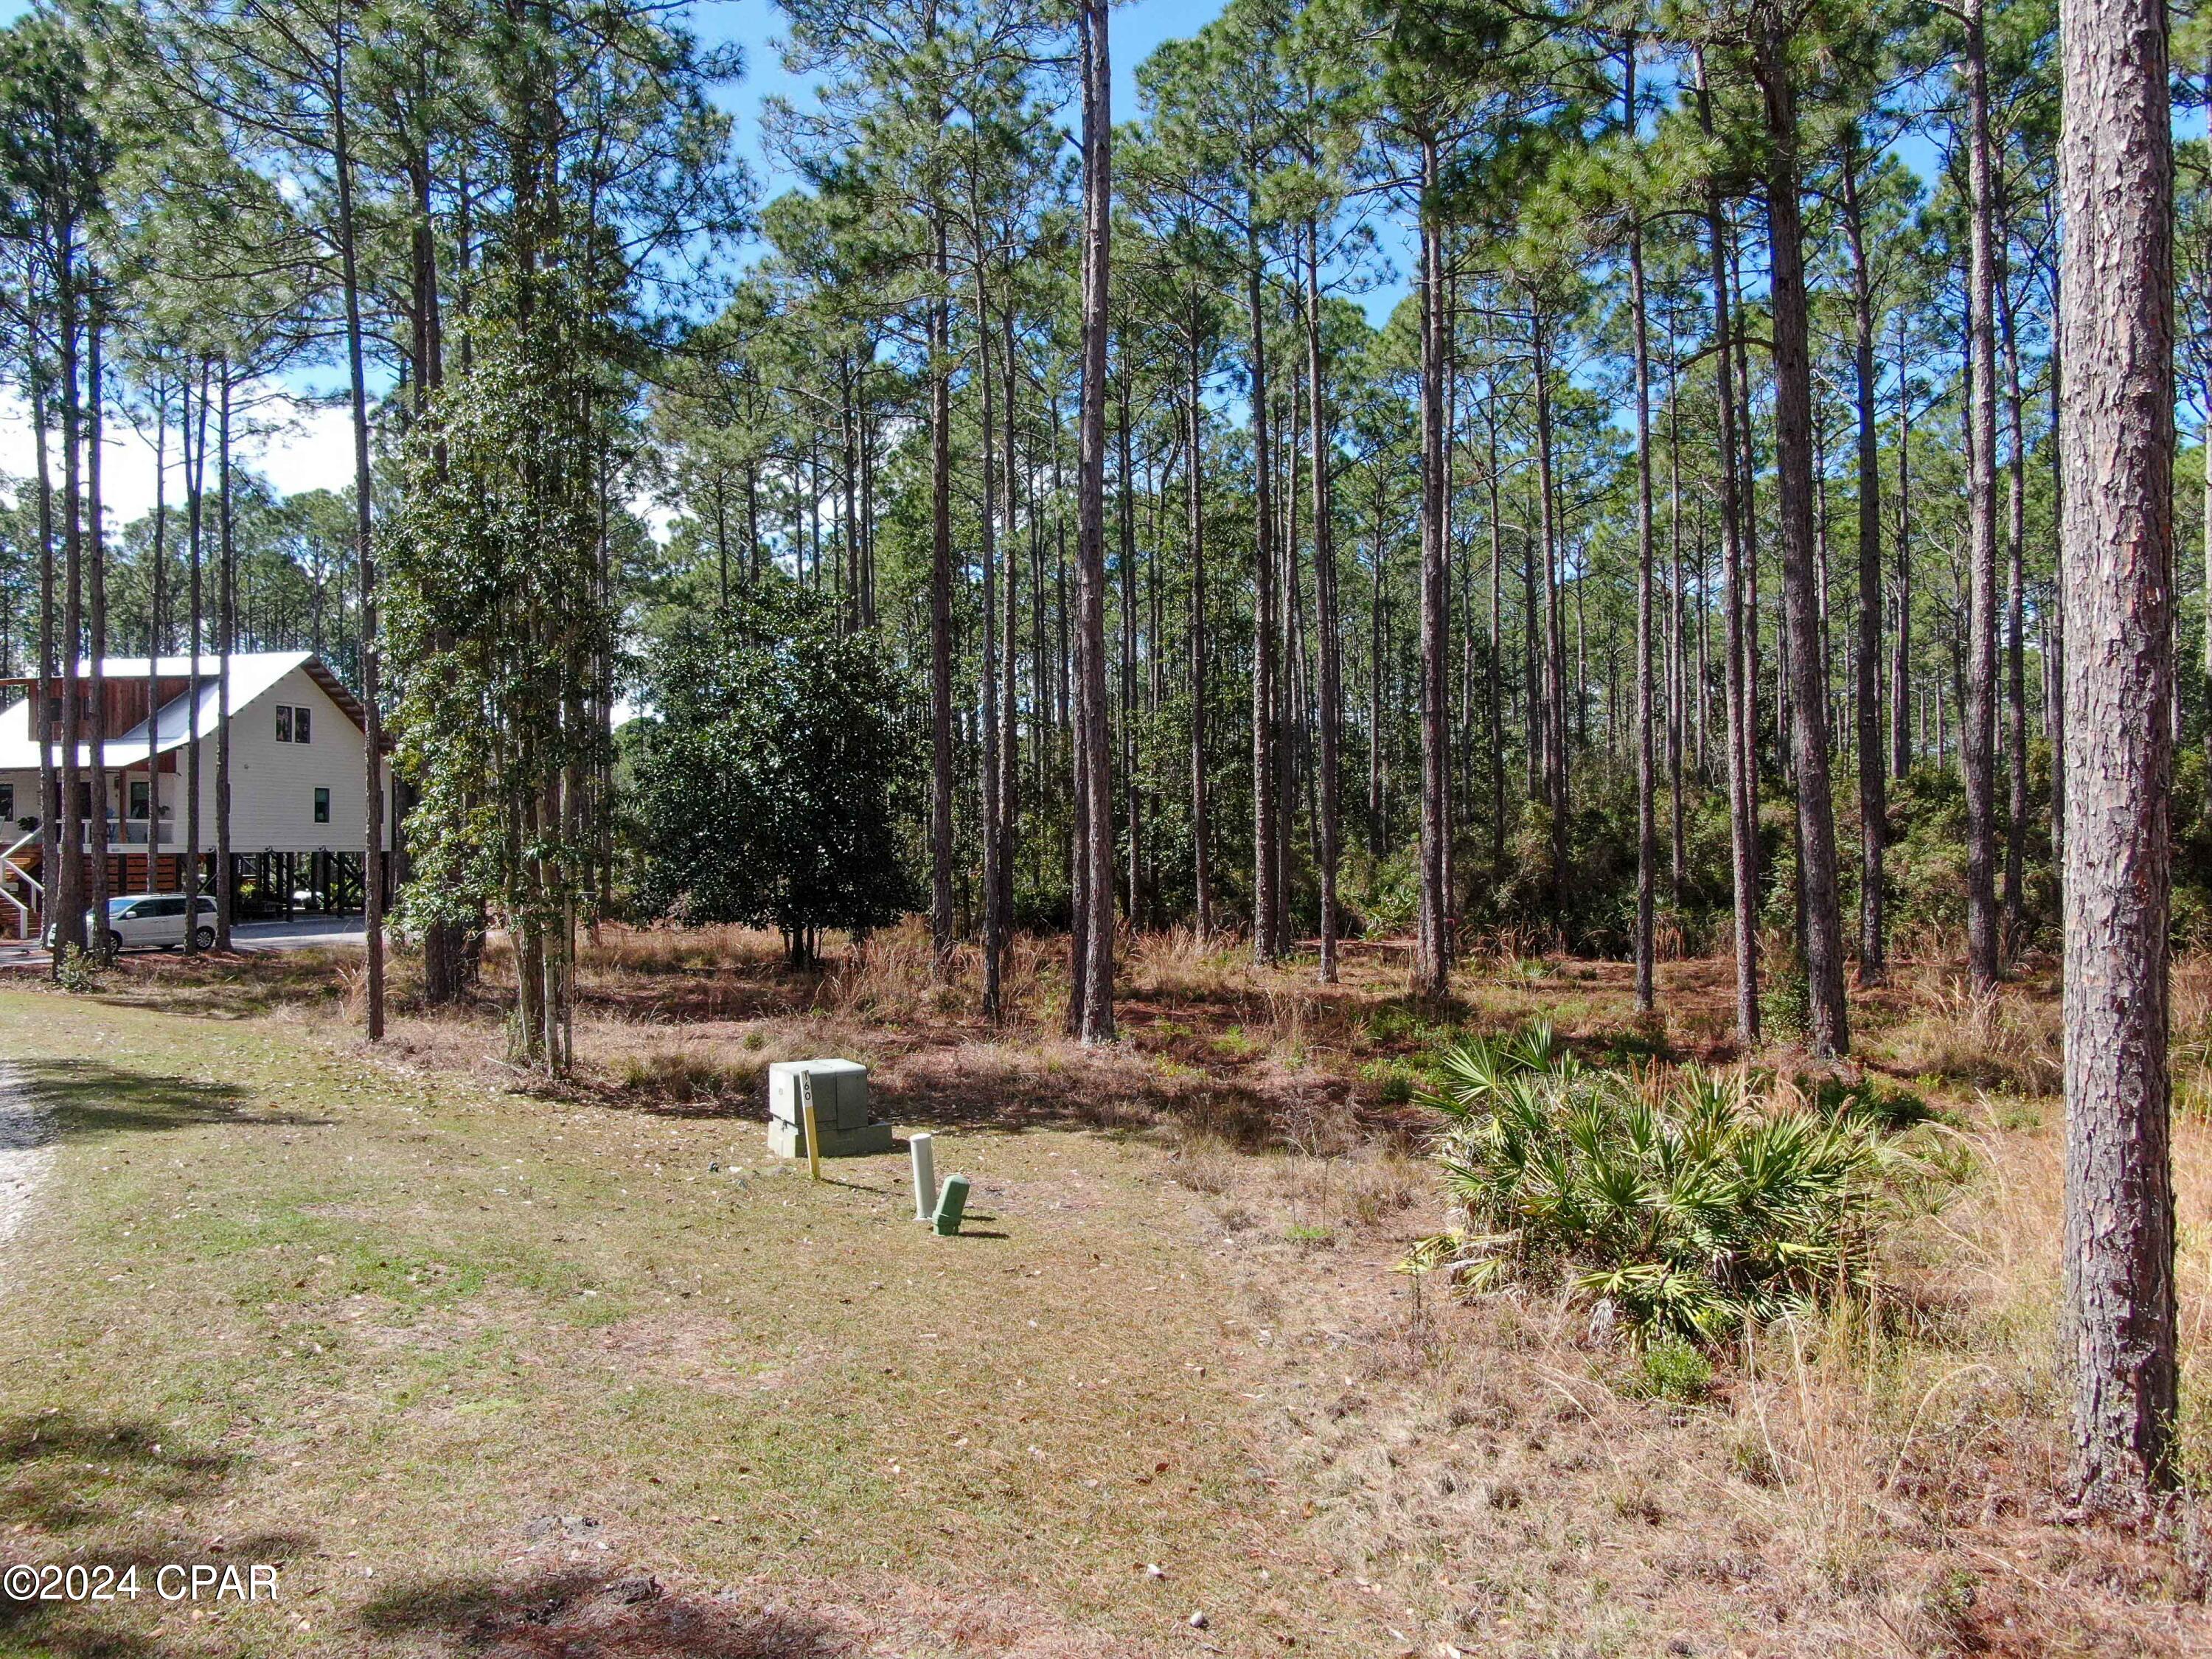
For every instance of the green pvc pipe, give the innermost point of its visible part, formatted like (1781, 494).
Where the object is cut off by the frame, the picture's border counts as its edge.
(952, 1203)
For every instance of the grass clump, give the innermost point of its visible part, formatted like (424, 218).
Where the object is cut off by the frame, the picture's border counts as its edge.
(674, 1078)
(1686, 1203)
(1394, 1080)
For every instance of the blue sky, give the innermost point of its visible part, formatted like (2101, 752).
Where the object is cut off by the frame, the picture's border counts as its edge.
(758, 26)
(306, 446)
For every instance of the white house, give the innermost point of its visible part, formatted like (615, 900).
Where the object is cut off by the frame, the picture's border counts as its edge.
(297, 781)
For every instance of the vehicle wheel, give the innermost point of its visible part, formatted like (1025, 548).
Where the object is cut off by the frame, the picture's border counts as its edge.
(114, 944)
(203, 939)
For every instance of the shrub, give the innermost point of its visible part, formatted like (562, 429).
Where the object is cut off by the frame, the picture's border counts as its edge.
(1673, 1370)
(76, 971)
(1785, 1006)
(767, 779)
(1688, 1202)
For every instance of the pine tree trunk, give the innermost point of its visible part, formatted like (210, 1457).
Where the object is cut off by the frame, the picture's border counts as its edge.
(1977, 737)
(2054, 635)
(1747, 457)
(1093, 745)
(1742, 786)
(1325, 616)
(41, 712)
(155, 634)
(2016, 666)
(1133, 797)
(96, 607)
(1873, 763)
(994, 919)
(1200, 829)
(195, 531)
(1819, 916)
(1009, 770)
(1377, 634)
(1901, 722)
(1647, 822)
(225, 894)
(1677, 653)
(1495, 698)
(372, 858)
(940, 618)
(1264, 946)
(1431, 967)
(67, 887)
(2116, 336)
(1553, 727)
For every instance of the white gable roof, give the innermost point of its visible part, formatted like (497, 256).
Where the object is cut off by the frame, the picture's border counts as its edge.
(253, 674)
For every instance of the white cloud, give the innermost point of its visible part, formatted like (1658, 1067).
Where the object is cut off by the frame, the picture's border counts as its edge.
(295, 444)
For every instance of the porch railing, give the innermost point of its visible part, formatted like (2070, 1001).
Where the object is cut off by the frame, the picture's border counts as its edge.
(13, 876)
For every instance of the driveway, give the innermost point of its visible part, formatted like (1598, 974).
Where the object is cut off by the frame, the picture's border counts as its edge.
(299, 935)
(307, 933)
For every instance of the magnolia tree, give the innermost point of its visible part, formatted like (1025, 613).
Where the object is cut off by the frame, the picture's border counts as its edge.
(767, 779)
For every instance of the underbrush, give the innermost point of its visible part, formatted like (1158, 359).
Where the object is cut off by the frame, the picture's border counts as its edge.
(677, 1078)
(1683, 1203)
(2003, 1041)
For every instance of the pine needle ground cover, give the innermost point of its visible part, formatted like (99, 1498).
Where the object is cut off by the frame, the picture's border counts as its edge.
(1209, 1218)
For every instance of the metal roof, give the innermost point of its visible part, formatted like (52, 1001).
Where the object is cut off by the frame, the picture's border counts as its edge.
(253, 674)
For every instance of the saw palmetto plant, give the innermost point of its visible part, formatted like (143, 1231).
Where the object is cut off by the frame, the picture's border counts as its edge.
(1684, 1202)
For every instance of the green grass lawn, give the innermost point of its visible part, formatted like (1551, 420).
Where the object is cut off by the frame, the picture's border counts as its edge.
(456, 1361)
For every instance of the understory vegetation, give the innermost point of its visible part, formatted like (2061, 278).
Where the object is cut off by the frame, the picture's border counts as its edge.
(1684, 1202)
(1862, 1461)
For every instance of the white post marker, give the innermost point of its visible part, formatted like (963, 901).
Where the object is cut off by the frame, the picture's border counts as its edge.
(925, 1176)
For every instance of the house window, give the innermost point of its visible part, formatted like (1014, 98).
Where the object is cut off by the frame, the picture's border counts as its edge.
(298, 724)
(138, 796)
(7, 803)
(322, 806)
(284, 722)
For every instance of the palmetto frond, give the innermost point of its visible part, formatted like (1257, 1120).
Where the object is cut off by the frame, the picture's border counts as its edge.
(1690, 1204)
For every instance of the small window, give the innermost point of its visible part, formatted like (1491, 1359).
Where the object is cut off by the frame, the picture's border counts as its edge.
(298, 724)
(322, 806)
(284, 722)
(139, 796)
(7, 803)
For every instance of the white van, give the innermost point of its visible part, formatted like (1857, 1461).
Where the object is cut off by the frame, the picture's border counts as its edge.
(150, 922)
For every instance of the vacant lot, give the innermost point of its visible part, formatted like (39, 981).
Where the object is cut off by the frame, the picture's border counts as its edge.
(487, 1371)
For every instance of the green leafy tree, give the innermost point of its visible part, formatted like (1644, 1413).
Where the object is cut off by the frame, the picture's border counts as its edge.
(768, 779)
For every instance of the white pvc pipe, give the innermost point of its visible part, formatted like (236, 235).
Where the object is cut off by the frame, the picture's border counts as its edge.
(925, 1176)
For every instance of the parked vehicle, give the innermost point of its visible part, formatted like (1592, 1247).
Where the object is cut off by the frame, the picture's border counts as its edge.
(148, 921)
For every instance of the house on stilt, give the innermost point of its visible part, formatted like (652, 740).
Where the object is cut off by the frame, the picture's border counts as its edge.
(297, 777)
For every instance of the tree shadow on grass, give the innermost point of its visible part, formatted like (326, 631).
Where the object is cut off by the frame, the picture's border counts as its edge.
(80, 1488)
(88, 1099)
(583, 1615)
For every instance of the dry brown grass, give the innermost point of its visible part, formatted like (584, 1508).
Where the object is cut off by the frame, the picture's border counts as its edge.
(2008, 1041)
(1491, 1478)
